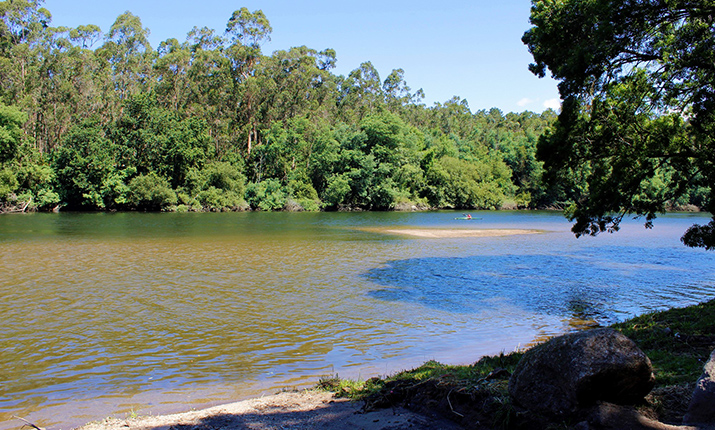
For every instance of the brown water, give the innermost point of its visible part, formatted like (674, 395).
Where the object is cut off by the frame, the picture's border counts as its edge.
(114, 314)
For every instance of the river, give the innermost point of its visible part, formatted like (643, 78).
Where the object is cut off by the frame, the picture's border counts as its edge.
(113, 314)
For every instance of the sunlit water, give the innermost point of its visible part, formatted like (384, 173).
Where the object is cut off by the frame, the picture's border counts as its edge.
(114, 314)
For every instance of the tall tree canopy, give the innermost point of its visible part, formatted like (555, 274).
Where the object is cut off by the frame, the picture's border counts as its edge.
(635, 134)
(104, 121)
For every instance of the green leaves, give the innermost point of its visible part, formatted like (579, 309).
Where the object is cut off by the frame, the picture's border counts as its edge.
(635, 131)
(211, 123)
(249, 29)
(151, 192)
(11, 135)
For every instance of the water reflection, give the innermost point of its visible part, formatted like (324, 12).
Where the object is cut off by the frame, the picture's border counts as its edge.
(102, 313)
(601, 284)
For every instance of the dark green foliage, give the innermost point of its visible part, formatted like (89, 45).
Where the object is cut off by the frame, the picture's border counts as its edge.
(635, 134)
(151, 192)
(157, 139)
(35, 179)
(86, 166)
(104, 110)
(8, 182)
(11, 136)
(266, 195)
(217, 186)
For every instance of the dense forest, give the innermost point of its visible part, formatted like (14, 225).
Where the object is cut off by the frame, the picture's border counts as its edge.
(95, 121)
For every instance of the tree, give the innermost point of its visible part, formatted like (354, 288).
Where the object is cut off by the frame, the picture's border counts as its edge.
(637, 80)
(11, 122)
(156, 139)
(171, 68)
(247, 31)
(128, 51)
(361, 92)
(88, 173)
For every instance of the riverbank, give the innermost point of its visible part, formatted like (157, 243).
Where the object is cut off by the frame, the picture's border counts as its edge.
(307, 409)
(437, 396)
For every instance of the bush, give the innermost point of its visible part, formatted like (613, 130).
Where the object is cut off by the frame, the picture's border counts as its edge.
(218, 186)
(304, 196)
(8, 183)
(337, 190)
(217, 199)
(151, 192)
(267, 195)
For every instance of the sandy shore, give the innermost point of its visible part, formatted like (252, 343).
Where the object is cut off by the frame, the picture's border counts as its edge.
(291, 410)
(454, 232)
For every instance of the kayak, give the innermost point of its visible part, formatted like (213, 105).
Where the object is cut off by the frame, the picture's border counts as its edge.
(466, 218)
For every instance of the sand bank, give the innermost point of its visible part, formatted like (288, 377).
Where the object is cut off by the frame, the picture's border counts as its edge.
(453, 232)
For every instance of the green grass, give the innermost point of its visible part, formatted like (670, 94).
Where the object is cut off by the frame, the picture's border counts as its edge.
(458, 377)
(677, 341)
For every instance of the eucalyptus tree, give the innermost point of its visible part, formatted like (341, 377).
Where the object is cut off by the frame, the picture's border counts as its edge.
(22, 27)
(397, 92)
(293, 84)
(453, 117)
(246, 32)
(130, 56)
(637, 79)
(211, 85)
(54, 106)
(361, 93)
(171, 70)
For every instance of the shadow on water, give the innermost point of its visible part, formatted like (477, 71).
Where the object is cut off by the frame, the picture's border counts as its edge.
(594, 285)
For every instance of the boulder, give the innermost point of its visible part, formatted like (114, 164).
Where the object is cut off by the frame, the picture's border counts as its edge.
(575, 371)
(607, 416)
(702, 404)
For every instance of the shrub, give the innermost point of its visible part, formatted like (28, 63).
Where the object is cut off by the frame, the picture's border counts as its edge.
(266, 195)
(8, 183)
(337, 190)
(151, 192)
(218, 186)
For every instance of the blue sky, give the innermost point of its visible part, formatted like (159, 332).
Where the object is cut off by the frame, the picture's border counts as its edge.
(471, 49)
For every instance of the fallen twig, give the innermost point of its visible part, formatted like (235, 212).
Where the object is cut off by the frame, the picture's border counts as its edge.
(28, 423)
(26, 205)
(450, 404)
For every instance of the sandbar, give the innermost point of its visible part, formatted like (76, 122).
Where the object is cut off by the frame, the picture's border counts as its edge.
(454, 232)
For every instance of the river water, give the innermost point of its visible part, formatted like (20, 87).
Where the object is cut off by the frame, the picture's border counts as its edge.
(115, 314)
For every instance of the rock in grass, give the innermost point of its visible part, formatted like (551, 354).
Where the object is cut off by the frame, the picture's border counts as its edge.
(702, 404)
(576, 370)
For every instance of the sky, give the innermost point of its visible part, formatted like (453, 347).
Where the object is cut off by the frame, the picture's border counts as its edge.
(466, 48)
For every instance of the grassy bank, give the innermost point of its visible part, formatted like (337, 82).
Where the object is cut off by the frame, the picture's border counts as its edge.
(678, 342)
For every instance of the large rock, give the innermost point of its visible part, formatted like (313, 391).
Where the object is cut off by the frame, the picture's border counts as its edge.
(702, 405)
(607, 416)
(576, 370)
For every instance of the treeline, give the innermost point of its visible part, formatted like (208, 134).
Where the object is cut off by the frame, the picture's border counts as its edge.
(96, 121)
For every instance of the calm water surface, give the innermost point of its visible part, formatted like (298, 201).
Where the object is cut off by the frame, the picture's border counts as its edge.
(112, 314)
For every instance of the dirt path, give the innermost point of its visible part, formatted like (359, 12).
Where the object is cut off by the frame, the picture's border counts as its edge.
(294, 410)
